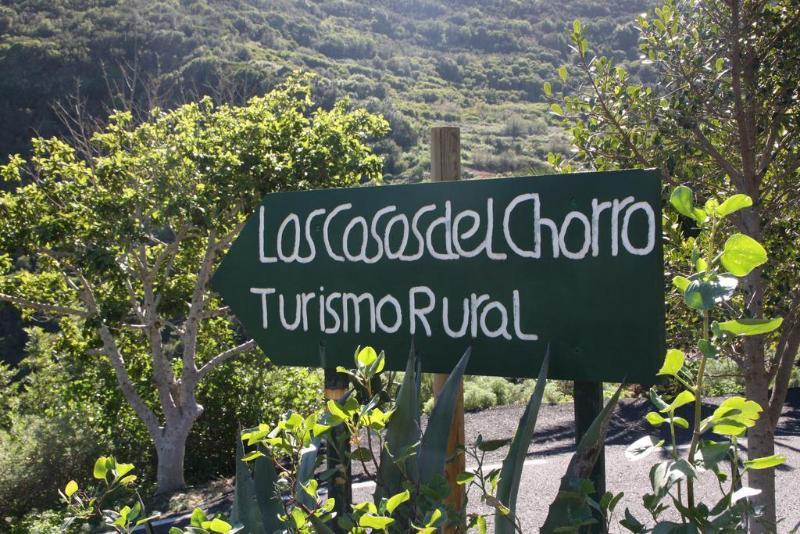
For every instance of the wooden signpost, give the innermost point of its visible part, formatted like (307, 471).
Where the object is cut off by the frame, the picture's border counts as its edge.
(507, 266)
(445, 167)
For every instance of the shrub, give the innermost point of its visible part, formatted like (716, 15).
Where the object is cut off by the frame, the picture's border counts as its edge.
(46, 522)
(38, 455)
(477, 397)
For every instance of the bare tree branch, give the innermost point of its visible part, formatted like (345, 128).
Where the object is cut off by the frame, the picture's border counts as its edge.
(785, 355)
(43, 306)
(709, 148)
(224, 356)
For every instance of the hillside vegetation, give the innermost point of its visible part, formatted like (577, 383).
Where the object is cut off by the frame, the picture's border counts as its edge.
(478, 63)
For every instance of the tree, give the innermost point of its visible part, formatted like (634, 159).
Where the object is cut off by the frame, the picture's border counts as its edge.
(722, 116)
(126, 240)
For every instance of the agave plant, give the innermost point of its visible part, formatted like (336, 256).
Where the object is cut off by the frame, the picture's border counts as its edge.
(277, 477)
(409, 470)
(574, 506)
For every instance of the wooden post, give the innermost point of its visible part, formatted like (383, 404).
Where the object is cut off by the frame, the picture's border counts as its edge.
(446, 166)
(339, 485)
(588, 402)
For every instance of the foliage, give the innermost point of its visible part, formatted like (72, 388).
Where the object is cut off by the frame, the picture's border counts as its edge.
(122, 237)
(63, 415)
(37, 454)
(720, 116)
(114, 505)
(244, 392)
(278, 478)
(709, 289)
(489, 60)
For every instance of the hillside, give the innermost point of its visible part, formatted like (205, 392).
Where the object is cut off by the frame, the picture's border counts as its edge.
(480, 63)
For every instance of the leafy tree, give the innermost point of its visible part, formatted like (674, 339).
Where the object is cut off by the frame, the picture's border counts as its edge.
(126, 239)
(722, 116)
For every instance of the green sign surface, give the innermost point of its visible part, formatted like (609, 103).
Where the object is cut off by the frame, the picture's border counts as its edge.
(506, 266)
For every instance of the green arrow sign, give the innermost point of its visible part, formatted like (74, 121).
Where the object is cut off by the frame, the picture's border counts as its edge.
(507, 266)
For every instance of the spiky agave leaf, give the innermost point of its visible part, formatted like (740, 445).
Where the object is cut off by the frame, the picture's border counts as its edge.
(402, 434)
(511, 472)
(433, 448)
(563, 509)
(246, 509)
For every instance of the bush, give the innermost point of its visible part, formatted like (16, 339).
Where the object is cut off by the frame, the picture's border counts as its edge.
(244, 392)
(477, 397)
(481, 392)
(46, 522)
(38, 455)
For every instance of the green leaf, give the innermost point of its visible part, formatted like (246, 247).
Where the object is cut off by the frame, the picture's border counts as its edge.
(556, 108)
(336, 410)
(198, 518)
(743, 493)
(718, 64)
(255, 504)
(374, 521)
(734, 416)
(710, 454)
(434, 518)
(576, 26)
(655, 418)
(562, 73)
(252, 456)
(682, 398)
(631, 523)
(679, 421)
(123, 469)
(305, 471)
(733, 204)
(643, 447)
(701, 265)
(766, 462)
(656, 399)
(672, 363)
(490, 445)
(396, 500)
(100, 468)
(681, 282)
(682, 200)
(706, 291)
(741, 254)
(366, 357)
(464, 478)
(511, 472)
(665, 474)
(128, 480)
(708, 349)
(750, 327)
(548, 89)
(71, 488)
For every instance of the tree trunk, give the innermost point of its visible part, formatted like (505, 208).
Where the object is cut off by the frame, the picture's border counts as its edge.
(171, 450)
(760, 443)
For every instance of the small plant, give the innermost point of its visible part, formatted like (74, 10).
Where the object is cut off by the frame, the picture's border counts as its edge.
(115, 505)
(95, 506)
(279, 490)
(710, 289)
